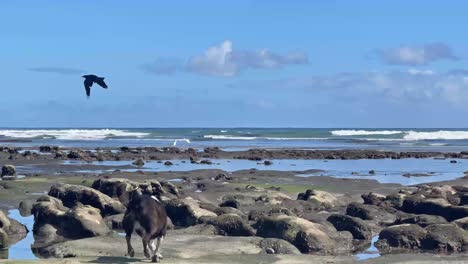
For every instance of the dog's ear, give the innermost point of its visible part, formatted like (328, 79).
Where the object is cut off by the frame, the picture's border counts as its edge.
(134, 194)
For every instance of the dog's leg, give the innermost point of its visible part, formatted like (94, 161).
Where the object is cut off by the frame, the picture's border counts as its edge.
(130, 250)
(157, 256)
(152, 246)
(145, 241)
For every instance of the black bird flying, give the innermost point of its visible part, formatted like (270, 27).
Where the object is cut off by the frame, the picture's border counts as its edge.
(90, 80)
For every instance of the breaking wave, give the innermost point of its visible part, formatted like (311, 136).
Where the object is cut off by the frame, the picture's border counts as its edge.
(71, 134)
(436, 135)
(364, 132)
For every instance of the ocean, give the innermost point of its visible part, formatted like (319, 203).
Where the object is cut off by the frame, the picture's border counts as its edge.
(408, 139)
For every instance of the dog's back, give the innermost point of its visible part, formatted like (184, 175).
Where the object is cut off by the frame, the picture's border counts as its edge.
(146, 216)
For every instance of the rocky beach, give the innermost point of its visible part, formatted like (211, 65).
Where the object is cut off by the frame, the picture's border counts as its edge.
(275, 209)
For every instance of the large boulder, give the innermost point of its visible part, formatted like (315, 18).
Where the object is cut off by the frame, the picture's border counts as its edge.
(72, 195)
(232, 225)
(445, 238)
(116, 188)
(440, 238)
(4, 241)
(422, 220)
(370, 212)
(4, 220)
(125, 189)
(405, 236)
(85, 221)
(323, 198)
(8, 172)
(437, 206)
(356, 226)
(186, 212)
(278, 246)
(462, 223)
(307, 236)
(53, 220)
(4, 224)
(25, 207)
(373, 198)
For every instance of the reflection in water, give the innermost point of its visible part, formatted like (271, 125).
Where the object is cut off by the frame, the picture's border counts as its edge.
(371, 252)
(22, 249)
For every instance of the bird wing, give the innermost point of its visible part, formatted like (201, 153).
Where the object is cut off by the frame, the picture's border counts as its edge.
(100, 82)
(87, 85)
(88, 91)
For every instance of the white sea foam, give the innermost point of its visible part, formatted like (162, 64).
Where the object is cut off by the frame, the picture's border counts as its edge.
(227, 137)
(434, 135)
(364, 132)
(70, 134)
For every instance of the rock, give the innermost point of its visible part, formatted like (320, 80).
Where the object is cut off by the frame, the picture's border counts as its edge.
(71, 195)
(267, 163)
(463, 199)
(405, 236)
(230, 203)
(256, 214)
(169, 187)
(422, 220)
(8, 172)
(73, 154)
(308, 237)
(168, 163)
(186, 212)
(85, 221)
(53, 219)
(462, 223)
(222, 176)
(356, 226)
(445, 238)
(4, 221)
(4, 241)
(16, 231)
(45, 235)
(278, 246)
(206, 162)
(373, 198)
(25, 207)
(363, 211)
(48, 149)
(116, 188)
(440, 238)
(438, 206)
(323, 198)
(232, 225)
(124, 189)
(114, 221)
(139, 163)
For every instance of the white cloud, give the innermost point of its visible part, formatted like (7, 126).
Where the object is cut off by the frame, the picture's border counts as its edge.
(214, 61)
(224, 60)
(417, 55)
(396, 87)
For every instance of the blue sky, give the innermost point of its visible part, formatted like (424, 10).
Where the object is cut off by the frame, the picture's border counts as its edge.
(237, 63)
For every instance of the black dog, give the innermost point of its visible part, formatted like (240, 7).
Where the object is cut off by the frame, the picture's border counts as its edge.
(148, 218)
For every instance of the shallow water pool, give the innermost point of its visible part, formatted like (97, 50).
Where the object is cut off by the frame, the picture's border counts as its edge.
(22, 249)
(386, 170)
